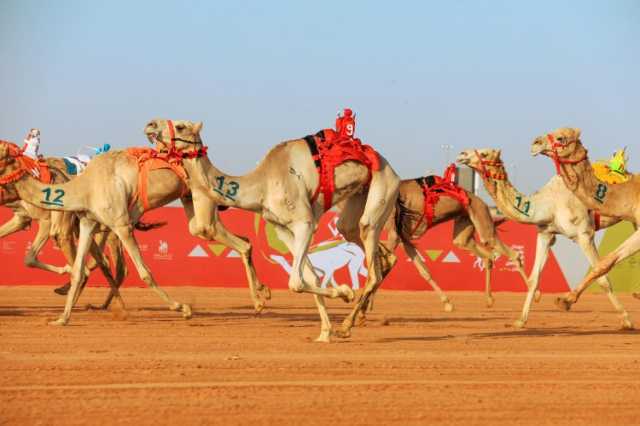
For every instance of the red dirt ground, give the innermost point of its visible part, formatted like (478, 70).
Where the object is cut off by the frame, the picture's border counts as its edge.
(227, 366)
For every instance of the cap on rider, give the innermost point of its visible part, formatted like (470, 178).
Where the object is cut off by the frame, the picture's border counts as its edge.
(346, 123)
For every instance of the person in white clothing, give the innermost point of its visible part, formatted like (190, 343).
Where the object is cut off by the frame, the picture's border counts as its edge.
(32, 144)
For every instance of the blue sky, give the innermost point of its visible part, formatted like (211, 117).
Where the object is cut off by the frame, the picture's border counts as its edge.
(418, 74)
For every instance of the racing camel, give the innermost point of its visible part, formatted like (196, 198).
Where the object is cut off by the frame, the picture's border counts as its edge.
(115, 190)
(621, 200)
(285, 188)
(429, 201)
(553, 209)
(60, 226)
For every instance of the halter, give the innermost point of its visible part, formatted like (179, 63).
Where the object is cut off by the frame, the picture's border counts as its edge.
(15, 153)
(555, 145)
(492, 163)
(173, 152)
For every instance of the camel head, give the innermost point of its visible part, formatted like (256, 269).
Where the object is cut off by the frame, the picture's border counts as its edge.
(563, 143)
(8, 157)
(478, 159)
(9, 166)
(182, 135)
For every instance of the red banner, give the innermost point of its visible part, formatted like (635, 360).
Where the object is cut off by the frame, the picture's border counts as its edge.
(177, 258)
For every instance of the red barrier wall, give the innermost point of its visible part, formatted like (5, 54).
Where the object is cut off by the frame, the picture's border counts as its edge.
(177, 258)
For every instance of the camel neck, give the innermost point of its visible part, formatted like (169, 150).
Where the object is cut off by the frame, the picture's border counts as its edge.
(243, 192)
(581, 180)
(509, 200)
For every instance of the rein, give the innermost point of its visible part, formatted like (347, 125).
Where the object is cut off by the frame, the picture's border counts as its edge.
(173, 152)
(15, 153)
(555, 145)
(491, 163)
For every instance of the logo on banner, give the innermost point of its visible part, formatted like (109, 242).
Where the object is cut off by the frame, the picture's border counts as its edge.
(511, 265)
(162, 252)
(8, 246)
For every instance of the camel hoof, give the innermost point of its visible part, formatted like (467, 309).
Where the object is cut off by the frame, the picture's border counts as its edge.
(258, 307)
(325, 337)
(186, 311)
(362, 320)
(563, 303)
(62, 291)
(265, 292)
(342, 333)
(59, 321)
(519, 324)
(490, 301)
(626, 324)
(346, 293)
(537, 296)
(448, 307)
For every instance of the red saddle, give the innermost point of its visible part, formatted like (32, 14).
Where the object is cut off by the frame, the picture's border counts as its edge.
(329, 150)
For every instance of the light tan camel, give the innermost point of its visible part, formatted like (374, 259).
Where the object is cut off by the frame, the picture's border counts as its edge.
(107, 193)
(59, 226)
(281, 188)
(407, 223)
(616, 200)
(553, 210)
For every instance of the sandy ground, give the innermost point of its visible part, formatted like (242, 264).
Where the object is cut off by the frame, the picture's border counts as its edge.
(411, 364)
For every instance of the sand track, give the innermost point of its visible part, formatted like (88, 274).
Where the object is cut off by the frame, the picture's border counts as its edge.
(227, 366)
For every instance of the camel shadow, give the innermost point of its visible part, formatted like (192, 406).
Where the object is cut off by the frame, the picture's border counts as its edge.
(425, 320)
(548, 332)
(414, 339)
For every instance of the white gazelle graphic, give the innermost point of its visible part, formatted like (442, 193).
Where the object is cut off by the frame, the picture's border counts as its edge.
(329, 256)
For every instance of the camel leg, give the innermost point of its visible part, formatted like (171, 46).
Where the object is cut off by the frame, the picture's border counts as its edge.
(422, 269)
(379, 205)
(515, 257)
(204, 223)
(463, 230)
(130, 245)
(119, 265)
(41, 238)
(629, 247)
(297, 239)
(77, 272)
(13, 225)
(588, 248)
(544, 241)
(65, 238)
(97, 251)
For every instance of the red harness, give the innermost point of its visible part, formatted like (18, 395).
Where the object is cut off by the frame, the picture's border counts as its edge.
(494, 163)
(328, 151)
(434, 187)
(596, 220)
(173, 152)
(150, 159)
(555, 145)
(37, 168)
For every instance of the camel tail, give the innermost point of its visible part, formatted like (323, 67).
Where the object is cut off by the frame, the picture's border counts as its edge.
(144, 227)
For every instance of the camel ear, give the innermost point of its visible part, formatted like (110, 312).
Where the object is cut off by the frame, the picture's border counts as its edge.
(576, 132)
(198, 127)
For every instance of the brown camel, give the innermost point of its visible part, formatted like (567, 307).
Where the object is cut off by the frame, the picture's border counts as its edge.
(407, 223)
(553, 209)
(281, 188)
(620, 200)
(108, 193)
